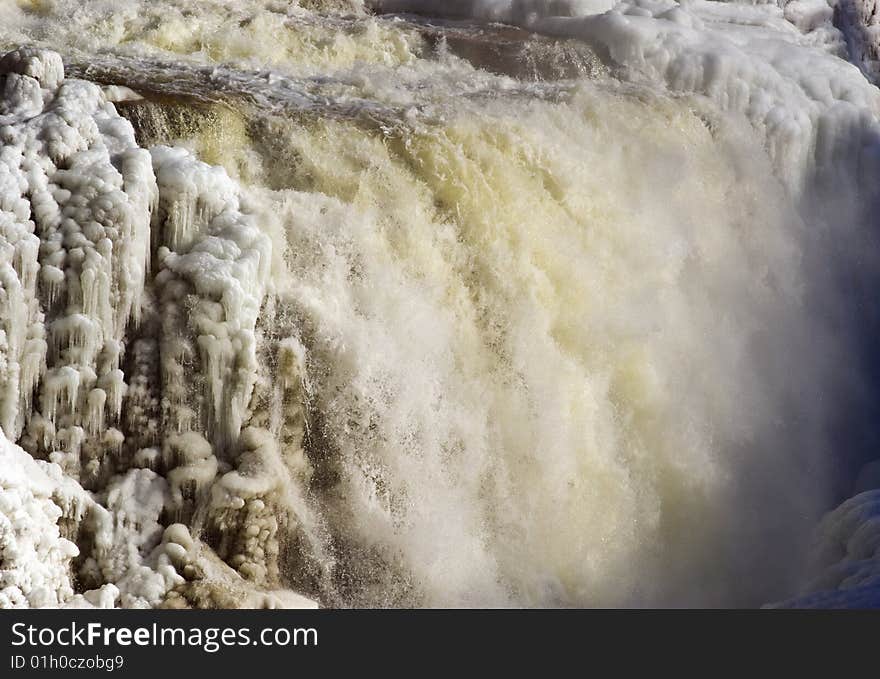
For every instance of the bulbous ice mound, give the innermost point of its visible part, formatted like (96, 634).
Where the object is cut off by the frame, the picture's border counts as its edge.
(846, 558)
(85, 214)
(34, 556)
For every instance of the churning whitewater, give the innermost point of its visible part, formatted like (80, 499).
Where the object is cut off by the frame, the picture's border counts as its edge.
(473, 303)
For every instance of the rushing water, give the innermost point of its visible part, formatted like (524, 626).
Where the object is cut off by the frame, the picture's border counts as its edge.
(580, 308)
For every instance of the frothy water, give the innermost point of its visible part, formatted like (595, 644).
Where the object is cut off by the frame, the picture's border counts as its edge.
(541, 357)
(566, 339)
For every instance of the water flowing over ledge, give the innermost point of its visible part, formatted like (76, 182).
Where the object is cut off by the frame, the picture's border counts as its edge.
(413, 311)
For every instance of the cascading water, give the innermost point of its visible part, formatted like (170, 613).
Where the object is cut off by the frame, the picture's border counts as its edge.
(401, 310)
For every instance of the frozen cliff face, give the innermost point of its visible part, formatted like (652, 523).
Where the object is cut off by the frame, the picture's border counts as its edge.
(76, 209)
(122, 270)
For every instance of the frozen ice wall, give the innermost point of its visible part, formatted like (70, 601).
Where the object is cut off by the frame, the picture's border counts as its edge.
(85, 277)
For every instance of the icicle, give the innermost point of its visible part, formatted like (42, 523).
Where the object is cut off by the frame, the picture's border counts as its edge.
(94, 419)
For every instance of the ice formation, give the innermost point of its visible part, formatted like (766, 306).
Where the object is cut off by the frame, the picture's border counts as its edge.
(768, 62)
(35, 558)
(400, 310)
(84, 275)
(860, 22)
(846, 558)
